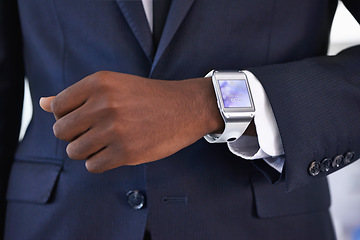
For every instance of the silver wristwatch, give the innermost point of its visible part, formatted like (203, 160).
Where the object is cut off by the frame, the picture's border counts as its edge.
(235, 104)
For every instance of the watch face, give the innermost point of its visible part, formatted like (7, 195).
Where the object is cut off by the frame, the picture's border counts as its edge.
(235, 93)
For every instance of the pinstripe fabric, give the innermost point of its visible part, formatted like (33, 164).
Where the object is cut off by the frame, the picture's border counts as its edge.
(203, 191)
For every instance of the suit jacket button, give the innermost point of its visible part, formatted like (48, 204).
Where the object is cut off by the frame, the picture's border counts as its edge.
(135, 199)
(337, 161)
(325, 164)
(314, 168)
(348, 157)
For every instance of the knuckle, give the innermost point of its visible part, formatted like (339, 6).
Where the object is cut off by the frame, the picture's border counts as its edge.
(112, 104)
(129, 154)
(57, 129)
(61, 132)
(73, 152)
(100, 74)
(101, 78)
(114, 118)
(115, 130)
(55, 106)
(92, 168)
(109, 107)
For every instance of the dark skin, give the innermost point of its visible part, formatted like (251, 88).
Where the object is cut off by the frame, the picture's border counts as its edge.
(112, 119)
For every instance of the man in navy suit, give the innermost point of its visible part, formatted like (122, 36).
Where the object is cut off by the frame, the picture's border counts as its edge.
(145, 135)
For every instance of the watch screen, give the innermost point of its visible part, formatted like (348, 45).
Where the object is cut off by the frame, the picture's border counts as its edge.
(235, 93)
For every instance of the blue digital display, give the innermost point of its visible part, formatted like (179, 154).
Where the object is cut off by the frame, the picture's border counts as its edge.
(235, 93)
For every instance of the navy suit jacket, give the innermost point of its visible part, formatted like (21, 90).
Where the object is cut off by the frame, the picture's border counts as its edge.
(203, 191)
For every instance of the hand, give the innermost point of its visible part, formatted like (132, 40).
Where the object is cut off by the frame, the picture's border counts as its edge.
(113, 119)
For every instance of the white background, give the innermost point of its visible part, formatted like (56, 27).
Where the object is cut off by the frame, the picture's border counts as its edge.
(345, 184)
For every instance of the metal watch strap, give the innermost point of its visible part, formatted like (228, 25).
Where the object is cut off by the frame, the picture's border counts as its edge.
(234, 128)
(232, 132)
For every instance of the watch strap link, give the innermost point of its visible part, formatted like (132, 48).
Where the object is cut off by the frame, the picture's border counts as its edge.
(232, 131)
(233, 128)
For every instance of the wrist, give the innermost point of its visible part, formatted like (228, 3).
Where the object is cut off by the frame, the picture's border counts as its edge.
(215, 121)
(207, 114)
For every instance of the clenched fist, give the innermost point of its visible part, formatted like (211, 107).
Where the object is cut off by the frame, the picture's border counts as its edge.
(113, 119)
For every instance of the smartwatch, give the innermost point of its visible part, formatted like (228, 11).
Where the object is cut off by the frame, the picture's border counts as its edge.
(235, 104)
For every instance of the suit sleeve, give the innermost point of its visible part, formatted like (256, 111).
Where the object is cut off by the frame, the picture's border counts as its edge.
(316, 103)
(11, 93)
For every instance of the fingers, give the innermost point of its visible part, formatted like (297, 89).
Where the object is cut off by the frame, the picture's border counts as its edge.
(70, 99)
(86, 145)
(110, 157)
(45, 103)
(66, 101)
(99, 158)
(102, 161)
(73, 124)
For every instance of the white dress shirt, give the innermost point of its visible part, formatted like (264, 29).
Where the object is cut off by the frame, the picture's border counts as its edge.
(148, 7)
(267, 145)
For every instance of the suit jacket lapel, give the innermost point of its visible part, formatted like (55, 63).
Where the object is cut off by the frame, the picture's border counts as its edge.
(177, 13)
(134, 14)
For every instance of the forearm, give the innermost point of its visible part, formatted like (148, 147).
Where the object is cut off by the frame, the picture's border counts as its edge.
(315, 104)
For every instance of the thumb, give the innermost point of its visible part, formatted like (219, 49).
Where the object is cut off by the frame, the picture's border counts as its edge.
(45, 103)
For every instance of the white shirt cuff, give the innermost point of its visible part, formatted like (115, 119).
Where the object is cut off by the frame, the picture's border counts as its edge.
(267, 144)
